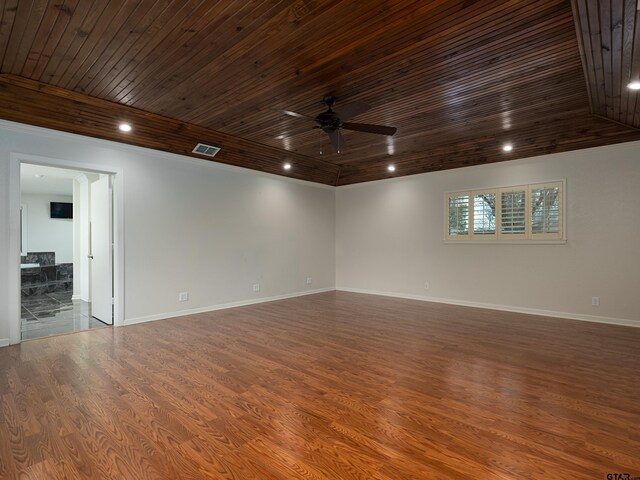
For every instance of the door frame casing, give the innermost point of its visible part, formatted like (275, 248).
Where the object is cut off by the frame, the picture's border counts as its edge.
(13, 283)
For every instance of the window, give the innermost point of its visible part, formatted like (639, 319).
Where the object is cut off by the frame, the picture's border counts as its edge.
(484, 214)
(519, 213)
(545, 210)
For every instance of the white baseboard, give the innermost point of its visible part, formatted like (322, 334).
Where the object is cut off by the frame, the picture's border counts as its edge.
(212, 308)
(506, 308)
(4, 342)
(75, 297)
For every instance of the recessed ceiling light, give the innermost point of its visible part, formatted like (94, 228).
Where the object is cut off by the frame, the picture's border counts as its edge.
(124, 127)
(507, 147)
(635, 85)
(391, 168)
(38, 175)
(287, 166)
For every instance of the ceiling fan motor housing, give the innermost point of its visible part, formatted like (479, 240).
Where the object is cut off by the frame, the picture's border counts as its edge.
(329, 121)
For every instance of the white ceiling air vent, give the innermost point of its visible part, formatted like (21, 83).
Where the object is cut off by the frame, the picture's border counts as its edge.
(206, 150)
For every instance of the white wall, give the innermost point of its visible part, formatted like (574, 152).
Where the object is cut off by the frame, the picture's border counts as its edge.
(389, 238)
(46, 234)
(4, 259)
(193, 225)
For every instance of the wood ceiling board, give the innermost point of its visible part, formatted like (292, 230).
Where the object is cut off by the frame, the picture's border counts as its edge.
(479, 112)
(38, 104)
(120, 16)
(208, 55)
(443, 93)
(436, 60)
(274, 45)
(425, 142)
(609, 32)
(319, 61)
(578, 133)
(162, 57)
(452, 75)
(530, 66)
(633, 105)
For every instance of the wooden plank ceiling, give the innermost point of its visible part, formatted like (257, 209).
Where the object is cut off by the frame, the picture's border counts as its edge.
(459, 78)
(609, 32)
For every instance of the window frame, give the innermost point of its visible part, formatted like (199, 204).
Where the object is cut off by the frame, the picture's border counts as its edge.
(528, 237)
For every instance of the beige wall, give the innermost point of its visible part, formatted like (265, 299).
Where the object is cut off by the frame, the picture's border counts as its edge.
(389, 238)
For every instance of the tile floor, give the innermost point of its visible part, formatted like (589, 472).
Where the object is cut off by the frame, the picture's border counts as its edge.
(55, 313)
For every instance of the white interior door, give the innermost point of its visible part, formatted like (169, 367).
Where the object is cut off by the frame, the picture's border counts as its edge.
(101, 252)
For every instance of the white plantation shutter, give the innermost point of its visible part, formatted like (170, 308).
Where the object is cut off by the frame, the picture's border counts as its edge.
(513, 213)
(458, 216)
(546, 210)
(520, 213)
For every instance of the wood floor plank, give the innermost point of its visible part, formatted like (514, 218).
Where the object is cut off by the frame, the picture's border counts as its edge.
(328, 386)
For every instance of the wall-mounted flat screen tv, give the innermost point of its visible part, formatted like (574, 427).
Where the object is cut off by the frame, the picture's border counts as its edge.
(61, 210)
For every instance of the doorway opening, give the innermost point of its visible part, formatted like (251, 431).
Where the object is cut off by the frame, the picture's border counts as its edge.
(66, 243)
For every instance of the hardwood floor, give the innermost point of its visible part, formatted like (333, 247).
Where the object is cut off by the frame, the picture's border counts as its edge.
(329, 386)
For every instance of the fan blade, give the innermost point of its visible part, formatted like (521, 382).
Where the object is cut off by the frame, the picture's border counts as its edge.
(295, 114)
(337, 140)
(365, 127)
(351, 110)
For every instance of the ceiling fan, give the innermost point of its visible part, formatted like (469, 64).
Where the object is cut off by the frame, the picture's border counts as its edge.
(331, 122)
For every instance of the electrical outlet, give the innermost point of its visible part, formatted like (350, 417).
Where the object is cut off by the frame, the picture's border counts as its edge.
(256, 287)
(595, 301)
(308, 280)
(183, 297)
(426, 285)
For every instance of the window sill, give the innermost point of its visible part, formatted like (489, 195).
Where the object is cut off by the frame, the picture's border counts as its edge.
(505, 242)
